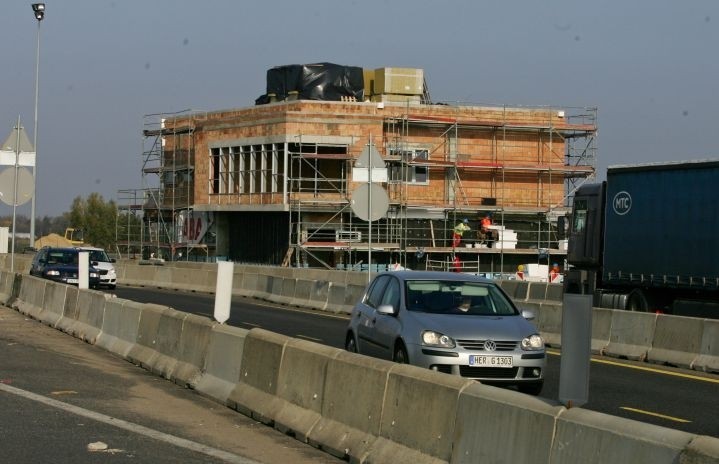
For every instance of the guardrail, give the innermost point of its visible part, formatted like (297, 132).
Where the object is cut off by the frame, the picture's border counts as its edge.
(352, 406)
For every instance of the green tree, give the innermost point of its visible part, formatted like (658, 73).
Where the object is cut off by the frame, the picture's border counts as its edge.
(96, 218)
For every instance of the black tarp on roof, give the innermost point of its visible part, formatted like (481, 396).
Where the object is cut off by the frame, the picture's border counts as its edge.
(318, 81)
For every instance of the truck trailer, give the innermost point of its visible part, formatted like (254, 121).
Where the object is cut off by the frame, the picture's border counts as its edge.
(647, 239)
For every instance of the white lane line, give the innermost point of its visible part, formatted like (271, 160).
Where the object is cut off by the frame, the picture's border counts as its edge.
(129, 426)
(312, 339)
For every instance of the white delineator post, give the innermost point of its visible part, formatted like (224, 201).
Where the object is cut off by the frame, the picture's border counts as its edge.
(223, 291)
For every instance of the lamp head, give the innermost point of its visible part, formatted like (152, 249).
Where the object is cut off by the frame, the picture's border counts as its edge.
(39, 9)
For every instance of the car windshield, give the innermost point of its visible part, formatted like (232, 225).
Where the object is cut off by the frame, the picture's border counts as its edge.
(62, 257)
(457, 297)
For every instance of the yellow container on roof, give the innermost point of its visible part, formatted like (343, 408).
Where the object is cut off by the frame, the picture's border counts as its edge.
(399, 81)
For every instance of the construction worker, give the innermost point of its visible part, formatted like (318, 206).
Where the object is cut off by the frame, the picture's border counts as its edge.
(520, 272)
(554, 273)
(488, 234)
(458, 231)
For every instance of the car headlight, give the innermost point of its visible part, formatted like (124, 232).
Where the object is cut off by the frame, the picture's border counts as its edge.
(53, 273)
(94, 274)
(533, 342)
(432, 338)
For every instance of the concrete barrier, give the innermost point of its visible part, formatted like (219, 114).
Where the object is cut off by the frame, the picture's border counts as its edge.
(301, 384)
(167, 343)
(516, 289)
(221, 372)
(592, 438)
(90, 313)
(631, 335)
(601, 329)
(407, 404)
(549, 322)
(708, 359)
(256, 393)
(676, 340)
(701, 450)
(193, 349)
(303, 290)
(120, 326)
(143, 352)
(31, 300)
(319, 294)
(352, 407)
(537, 291)
(499, 420)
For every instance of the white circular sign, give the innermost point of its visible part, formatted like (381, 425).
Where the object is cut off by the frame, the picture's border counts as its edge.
(25, 184)
(370, 202)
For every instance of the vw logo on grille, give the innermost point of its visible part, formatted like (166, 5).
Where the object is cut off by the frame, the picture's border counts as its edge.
(489, 345)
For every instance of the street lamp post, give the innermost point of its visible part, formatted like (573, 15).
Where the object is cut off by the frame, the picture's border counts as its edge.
(39, 10)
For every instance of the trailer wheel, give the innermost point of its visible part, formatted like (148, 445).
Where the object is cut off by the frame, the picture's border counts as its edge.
(637, 301)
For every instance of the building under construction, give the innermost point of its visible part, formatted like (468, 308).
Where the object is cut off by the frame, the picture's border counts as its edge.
(342, 167)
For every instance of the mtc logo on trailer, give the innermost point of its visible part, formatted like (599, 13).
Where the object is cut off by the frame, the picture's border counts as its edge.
(622, 203)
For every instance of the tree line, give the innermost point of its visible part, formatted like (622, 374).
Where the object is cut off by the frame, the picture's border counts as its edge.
(96, 219)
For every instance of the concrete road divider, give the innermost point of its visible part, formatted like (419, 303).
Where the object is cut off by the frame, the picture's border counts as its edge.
(515, 419)
(352, 407)
(631, 335)
(120, 326)
(701, 450)
(89, 315)
(516, 289)
(256, 393)
(592, 438)
(676, 340)
(167, 342)
(301, 384)
(549, 323)
(31, 301)
(708, 359)
(319, 294)
(415, 422)
(143, 352)
(601, 329)
(221, 372)
(193, 349)
(537, 291)
(303, 289)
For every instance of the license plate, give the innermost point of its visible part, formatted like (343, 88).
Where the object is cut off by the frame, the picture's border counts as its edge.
(71, 281)
(490, 361)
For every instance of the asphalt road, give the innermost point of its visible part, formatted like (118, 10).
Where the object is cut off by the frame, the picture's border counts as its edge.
(65, 401)
(670, 397)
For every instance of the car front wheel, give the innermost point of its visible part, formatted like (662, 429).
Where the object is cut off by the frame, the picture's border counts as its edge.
(400, 354)
(533, 388)
(351, 344)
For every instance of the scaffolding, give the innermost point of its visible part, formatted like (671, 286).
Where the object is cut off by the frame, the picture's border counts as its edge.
(152, 221)
(476, 180)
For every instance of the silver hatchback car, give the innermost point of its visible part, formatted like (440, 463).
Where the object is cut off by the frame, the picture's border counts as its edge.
(449, 322)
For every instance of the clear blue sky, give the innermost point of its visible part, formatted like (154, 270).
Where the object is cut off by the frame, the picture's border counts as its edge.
(650, 68)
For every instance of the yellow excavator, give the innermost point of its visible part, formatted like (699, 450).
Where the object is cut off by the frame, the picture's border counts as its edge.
(74, 236)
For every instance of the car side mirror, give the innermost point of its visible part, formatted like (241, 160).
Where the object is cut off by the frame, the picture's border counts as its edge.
(528, 314)
(113, 260)
(386, 309)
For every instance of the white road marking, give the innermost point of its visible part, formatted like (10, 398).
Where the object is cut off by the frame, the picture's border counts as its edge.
(129, 426)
